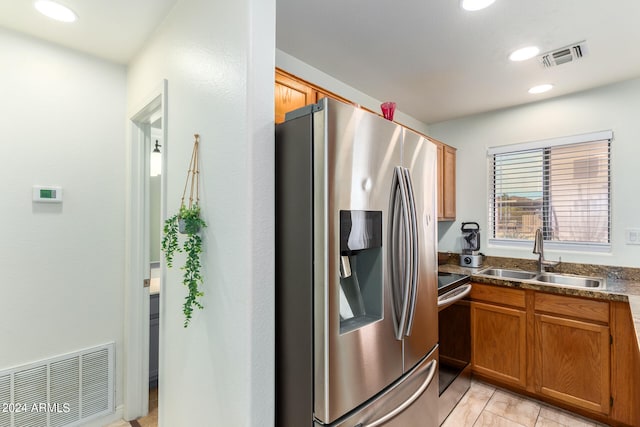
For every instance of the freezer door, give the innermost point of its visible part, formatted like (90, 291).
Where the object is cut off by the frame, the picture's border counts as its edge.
(419, 158)
(356, 354)
(411, 401)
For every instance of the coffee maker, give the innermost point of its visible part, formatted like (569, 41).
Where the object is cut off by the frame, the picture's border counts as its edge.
(471, 256)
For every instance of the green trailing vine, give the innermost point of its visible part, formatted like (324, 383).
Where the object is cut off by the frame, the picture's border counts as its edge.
(170, 239)
(188, 222)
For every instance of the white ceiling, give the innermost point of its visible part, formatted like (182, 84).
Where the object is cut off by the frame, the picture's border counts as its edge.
(434, 59)
(111, 29)
(439, 62)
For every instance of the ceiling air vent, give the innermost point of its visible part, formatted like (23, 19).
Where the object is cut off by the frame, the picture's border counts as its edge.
(563, 55)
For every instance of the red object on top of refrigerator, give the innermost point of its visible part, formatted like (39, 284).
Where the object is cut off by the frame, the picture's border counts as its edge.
(356, 271)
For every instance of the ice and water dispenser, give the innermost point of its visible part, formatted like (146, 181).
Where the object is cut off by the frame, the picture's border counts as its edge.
(360, 268)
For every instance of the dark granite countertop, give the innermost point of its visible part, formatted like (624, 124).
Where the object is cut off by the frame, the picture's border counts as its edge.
(616, 289)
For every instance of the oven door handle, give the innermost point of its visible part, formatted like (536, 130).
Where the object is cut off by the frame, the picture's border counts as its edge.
(454, 295)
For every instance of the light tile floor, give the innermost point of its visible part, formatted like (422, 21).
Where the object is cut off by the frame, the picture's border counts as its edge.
(485, 405)
(482, 406)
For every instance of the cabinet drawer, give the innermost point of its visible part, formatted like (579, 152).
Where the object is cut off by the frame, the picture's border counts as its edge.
(499, 295)
(571, 306)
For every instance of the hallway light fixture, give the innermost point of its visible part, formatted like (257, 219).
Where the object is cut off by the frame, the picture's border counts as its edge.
(155, 166)
(55, 11)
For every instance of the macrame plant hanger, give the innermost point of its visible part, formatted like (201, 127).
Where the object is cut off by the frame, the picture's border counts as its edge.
(193, 176)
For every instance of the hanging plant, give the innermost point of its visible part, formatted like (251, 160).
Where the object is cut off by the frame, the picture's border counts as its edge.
(188, 222)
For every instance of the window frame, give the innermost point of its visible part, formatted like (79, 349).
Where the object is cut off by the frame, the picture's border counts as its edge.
(545, 145)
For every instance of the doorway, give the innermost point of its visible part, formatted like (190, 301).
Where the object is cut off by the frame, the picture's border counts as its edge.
(145, 268)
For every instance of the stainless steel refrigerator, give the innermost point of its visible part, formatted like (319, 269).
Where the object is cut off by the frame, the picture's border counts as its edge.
(356, 271)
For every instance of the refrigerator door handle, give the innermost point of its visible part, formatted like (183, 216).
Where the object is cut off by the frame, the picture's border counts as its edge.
(393, 246)
(399, 184)
(414, 251)
(415, 396)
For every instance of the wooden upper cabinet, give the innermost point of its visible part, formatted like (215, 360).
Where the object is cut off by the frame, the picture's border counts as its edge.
(291, 94)
(322, 94)
(440, 181)
(449, 183)
(446, 182)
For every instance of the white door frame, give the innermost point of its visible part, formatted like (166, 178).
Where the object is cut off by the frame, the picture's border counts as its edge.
(136, 324)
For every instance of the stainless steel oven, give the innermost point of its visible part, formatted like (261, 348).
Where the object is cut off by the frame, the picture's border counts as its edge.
(454, 327)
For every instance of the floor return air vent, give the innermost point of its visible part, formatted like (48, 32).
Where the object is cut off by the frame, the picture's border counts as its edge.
(63, 391)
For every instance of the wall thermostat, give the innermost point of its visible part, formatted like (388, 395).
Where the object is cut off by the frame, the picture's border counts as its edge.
(47, 194)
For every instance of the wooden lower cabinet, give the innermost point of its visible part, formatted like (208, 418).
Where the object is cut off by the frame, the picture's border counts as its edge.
(625, 366)
(572, 362)
(578, 353)
(498, 343)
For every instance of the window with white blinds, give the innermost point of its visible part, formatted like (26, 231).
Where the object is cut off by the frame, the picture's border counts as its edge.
(562, 186)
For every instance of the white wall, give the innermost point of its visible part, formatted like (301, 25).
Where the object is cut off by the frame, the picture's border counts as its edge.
(61, 266)
(306, 72)
(612, 107)
(218, 58)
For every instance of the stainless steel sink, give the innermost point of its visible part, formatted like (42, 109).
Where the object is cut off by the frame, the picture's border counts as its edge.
(508, 274)
(569, 280)
(545, 278)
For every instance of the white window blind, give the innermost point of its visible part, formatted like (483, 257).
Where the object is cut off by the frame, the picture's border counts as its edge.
(561, 186)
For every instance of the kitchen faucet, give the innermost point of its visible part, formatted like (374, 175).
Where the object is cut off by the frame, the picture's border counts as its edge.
(538, 248)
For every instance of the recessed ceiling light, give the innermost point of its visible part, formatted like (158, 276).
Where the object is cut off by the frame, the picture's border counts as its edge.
(540, 88)
(475, 4)
(524, 53)
(55, 11)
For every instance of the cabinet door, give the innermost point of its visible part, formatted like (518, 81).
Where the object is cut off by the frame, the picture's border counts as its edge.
(449, 183)
(440, 181)
(291, 94)
(572, 362)
(625, 371)
(321, 94)
(446, 182)
(498, 343)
